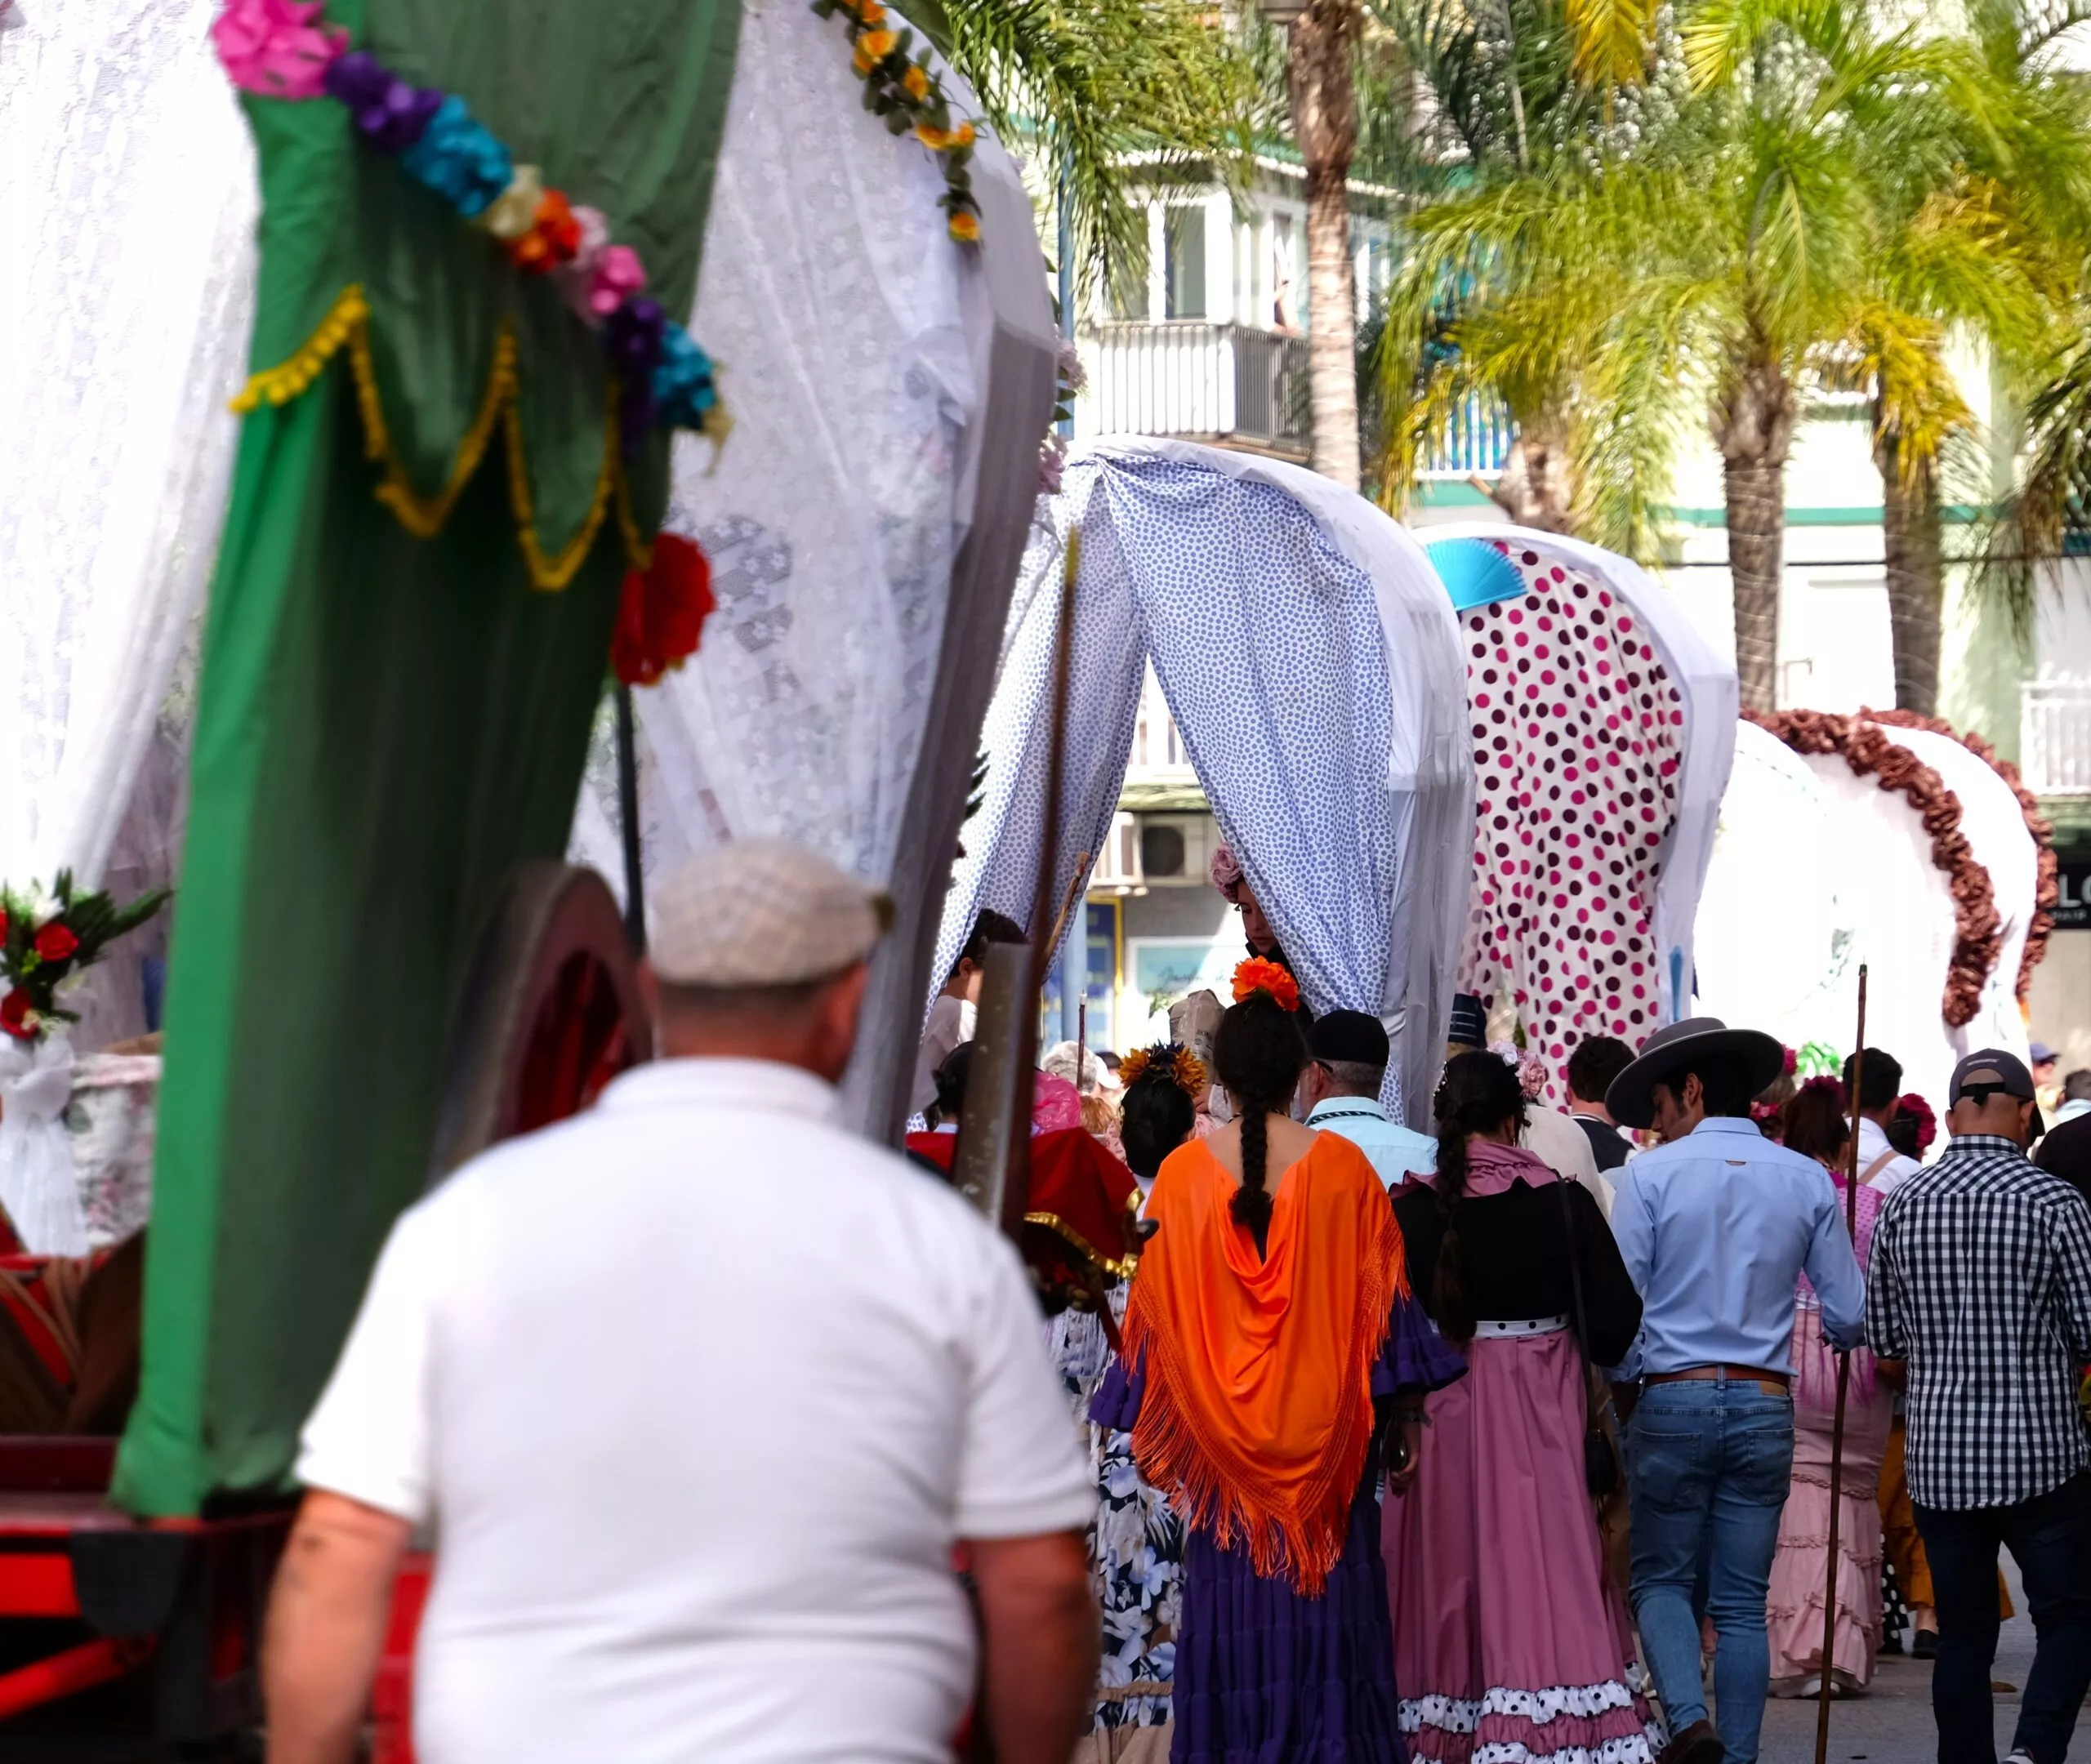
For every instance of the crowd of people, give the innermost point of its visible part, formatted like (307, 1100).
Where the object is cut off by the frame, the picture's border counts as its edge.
(1508, 1439)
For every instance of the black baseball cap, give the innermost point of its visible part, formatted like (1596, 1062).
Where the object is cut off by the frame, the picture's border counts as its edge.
(1992, 1067)
(1353, 1037)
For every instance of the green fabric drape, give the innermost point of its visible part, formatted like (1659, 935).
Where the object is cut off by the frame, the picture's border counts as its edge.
(387, 723)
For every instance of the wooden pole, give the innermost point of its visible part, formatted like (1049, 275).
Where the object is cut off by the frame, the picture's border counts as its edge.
(1843, 1388)
(635, 875)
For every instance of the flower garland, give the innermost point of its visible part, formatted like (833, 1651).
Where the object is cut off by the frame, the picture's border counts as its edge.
(2047, 890)
(1256, 975)
(280, 49)
(45, 940)
(908, 96)
(1978, 930)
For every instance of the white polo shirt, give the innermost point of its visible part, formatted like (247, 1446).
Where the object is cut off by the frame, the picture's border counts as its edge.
(698, 1390)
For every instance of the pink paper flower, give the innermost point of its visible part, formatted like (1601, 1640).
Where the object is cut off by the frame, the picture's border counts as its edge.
(618, 276)
(273, 47)
(577, 280)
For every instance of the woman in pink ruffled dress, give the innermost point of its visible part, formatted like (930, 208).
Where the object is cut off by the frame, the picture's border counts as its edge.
(1508, 1642)
(1813, 1124)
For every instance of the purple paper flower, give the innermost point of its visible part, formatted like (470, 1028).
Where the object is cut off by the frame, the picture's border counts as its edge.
(390, 114)
(631, 339)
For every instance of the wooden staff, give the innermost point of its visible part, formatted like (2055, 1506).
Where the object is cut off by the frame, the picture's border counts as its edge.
(1843, 1385)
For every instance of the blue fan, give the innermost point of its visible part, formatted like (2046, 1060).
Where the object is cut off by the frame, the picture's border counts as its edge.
(1475, 572)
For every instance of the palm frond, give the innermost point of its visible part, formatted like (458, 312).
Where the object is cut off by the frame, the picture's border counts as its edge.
(1112, 97)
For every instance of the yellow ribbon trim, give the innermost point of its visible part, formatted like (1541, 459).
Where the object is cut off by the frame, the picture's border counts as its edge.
(347, 323)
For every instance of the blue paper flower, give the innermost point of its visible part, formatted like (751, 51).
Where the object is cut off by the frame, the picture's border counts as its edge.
(683, 385)
(459, 160)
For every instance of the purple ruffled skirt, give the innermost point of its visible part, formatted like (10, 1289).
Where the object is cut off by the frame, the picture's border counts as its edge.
(1264, 1674)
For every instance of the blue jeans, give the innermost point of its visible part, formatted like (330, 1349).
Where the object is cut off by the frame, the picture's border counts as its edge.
(2049, 1537)
(1710, 1462)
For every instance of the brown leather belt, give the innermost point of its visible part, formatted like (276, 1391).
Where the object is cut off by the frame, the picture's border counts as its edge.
(1771, 1383)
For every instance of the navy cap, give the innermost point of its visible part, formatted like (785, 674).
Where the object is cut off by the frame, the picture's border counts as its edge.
(1351, 1037)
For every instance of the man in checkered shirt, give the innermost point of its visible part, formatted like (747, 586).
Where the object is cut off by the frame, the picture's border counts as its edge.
(1981, 1282)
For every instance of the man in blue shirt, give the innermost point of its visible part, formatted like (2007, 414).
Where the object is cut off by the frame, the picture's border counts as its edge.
(1341, 1088)
(1716, 1225)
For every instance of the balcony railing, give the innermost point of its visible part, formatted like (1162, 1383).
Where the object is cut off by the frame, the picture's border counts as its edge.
(2054, 737)
(1222, 382)
(1473, 444)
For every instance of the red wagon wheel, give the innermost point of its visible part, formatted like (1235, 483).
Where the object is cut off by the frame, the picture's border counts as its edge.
(550, 1014)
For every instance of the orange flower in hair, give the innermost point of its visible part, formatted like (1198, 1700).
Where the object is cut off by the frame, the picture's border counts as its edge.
(1256, 975)
(1179, 1065)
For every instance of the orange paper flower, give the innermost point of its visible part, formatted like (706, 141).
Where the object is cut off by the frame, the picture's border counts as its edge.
(965, 228)
(1179, 1065)
(1256, 975)
(554, 238)
(873, 47)
(917, 83)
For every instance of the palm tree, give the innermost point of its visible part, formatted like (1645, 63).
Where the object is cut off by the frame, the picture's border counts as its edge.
(1321, 84)
(1798, 221)
(1108, 99)
(1971, 161)
(1506, 285)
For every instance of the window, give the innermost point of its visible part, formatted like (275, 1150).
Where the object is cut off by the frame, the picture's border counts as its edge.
(1185, 235)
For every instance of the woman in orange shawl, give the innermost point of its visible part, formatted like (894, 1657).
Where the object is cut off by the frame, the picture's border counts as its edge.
(1269, 1334)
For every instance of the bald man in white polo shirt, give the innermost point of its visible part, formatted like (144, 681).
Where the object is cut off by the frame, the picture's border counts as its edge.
(697, 1391)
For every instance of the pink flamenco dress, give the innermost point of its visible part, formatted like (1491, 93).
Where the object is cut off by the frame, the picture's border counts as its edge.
(1799, 1571)
(1509, 1642)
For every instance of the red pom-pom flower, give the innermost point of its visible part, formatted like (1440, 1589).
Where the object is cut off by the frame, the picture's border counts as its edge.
(660, 619)
(1256, 975)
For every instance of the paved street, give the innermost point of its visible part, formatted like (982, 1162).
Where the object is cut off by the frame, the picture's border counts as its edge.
(1891, 1723)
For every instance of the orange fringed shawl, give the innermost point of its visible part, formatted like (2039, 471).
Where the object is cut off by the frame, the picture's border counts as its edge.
(1257, 1414)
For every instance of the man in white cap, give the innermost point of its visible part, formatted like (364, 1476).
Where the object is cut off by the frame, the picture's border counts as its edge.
(1716, 1226)
(698, 1393)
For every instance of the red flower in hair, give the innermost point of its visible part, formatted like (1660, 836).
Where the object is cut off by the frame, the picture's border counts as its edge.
(56, 941)
(1919, 1110)
(17, 1015)
(1256, 975)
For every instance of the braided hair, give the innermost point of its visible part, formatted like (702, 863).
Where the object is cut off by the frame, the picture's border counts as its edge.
(1258, 1054)
(1478, 1093)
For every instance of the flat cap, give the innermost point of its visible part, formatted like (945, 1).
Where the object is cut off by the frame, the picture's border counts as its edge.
(762, 912)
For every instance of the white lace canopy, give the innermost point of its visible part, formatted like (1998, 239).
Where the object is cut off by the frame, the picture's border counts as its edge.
(890, 388)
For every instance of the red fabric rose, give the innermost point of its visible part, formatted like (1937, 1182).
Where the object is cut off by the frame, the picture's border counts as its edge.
(661, 618)
(56, 941)
(16, 1016)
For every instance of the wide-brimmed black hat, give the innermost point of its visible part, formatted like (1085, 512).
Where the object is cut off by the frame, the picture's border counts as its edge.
(1675, 1046)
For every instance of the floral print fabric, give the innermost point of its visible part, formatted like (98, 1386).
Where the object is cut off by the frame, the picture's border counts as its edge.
(1136, 1548)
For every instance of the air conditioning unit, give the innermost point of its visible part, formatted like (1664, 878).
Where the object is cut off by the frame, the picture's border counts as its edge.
(1118, 864)
(1175, 848)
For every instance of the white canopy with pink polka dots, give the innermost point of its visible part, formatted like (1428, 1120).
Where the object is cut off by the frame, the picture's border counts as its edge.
(1603, 730)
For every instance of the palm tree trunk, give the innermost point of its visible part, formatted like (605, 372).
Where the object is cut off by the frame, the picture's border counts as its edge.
(1325, 125)
(1916, 575)
(1753, 427)
(1535, 488)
